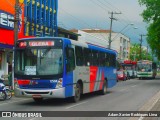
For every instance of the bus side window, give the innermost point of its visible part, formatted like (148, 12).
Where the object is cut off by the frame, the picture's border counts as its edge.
(101, 58)
(107, 57)
(87, 56)
(79, 56)
(70, 65)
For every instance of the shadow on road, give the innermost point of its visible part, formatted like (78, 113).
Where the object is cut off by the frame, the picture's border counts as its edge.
(62, 102)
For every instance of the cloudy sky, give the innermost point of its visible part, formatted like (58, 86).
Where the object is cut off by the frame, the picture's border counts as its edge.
(94, 14)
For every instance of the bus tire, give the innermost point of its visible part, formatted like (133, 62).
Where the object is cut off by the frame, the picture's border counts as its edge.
(104, 89)
(77, 95)
(8, 93)
(38, 100)
(3, 95)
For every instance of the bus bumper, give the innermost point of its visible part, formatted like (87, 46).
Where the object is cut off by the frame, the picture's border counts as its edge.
(45, 93)
(144, 76)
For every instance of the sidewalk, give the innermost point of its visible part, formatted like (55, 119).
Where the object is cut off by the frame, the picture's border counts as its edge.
(156, 107)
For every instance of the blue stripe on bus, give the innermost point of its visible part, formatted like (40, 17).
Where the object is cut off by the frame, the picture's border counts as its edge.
(111, 77)
(69, 84)
(67, 76)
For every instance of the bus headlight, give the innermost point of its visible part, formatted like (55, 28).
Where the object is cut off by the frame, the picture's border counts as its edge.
(59, 83)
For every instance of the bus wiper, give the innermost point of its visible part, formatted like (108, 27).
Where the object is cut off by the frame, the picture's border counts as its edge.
(46, 51)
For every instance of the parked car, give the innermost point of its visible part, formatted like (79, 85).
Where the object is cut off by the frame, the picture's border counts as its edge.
(121, 75)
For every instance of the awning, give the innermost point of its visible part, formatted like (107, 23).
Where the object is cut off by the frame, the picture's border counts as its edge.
(6, 46)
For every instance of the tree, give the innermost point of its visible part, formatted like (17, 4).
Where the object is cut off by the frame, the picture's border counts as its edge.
(135, 53)
(151, 15)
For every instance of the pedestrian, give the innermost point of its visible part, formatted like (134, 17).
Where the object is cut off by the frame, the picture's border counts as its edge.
(10, 80)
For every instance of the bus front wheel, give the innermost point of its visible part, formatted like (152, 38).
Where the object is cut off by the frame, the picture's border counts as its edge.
(77, 95)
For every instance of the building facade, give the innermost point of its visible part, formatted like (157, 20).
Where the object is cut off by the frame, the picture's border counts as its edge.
(120, 42)
(36, 18)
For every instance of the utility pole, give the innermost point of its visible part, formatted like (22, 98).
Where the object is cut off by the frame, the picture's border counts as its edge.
(141, 40)
(147, 53)
(141, 47)
(110, 34)
(16, 20)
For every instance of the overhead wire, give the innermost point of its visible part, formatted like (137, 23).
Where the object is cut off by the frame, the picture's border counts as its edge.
(122, 19)
(80, 21)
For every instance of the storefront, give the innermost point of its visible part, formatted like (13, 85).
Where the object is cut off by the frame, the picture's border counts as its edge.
(36, 18)
(7, 35)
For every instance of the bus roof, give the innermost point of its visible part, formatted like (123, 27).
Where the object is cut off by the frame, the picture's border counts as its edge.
(144, 61)
(74, 42)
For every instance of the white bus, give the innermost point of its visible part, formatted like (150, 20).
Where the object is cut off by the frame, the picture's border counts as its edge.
(146, 69)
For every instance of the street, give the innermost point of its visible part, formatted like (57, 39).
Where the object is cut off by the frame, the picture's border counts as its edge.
(130, 95)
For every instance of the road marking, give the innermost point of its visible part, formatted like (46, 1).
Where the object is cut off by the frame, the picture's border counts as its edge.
(128, 88)
(14, 101)
(141, 118)
(76, 105)
(134, 86)
(124, 89)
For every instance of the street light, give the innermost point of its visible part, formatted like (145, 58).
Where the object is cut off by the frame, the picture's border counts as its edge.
(124, 29)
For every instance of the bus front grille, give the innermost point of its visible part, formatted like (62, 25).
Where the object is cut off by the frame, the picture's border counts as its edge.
(37, 92)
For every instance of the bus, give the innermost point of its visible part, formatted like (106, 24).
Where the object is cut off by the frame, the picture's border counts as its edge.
(54, 67)
(146, 69)
(130, 67)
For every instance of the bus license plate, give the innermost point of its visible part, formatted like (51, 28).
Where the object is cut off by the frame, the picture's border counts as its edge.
(36, 96)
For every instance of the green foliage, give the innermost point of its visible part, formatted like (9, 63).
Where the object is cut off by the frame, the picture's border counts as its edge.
(135, 53)
(151, 15)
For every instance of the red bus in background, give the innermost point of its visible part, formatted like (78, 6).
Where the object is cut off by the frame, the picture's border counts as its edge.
(130, 67)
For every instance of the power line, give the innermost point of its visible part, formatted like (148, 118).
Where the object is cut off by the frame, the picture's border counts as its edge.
(79, 20)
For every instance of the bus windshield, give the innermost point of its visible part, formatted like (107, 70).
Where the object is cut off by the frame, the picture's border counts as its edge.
(144, 67)
(41, 61)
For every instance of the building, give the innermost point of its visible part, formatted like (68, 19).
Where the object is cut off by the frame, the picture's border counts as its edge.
(36, 18)
(120, 42)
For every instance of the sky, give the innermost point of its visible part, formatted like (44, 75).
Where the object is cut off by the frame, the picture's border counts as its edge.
(94, 14)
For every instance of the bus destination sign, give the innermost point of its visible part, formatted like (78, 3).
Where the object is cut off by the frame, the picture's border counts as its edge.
(41, 43)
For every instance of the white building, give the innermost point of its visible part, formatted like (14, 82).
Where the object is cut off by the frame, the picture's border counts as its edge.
(120, 42)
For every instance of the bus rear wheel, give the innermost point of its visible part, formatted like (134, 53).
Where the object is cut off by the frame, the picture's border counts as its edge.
(77, 95)
(104, 89)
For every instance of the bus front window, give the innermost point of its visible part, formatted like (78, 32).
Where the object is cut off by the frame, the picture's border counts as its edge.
(144, 67)
(46, 61)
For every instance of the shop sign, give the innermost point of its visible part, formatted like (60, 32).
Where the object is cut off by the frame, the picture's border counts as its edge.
(5, 20)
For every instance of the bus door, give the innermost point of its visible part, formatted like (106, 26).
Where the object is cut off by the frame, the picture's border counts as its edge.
(69, 71)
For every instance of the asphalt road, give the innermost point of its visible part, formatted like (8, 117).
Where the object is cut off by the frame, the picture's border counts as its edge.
(130, 95)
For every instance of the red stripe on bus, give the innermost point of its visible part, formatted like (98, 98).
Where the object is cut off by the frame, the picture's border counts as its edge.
(102, 80)
(93, 76)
